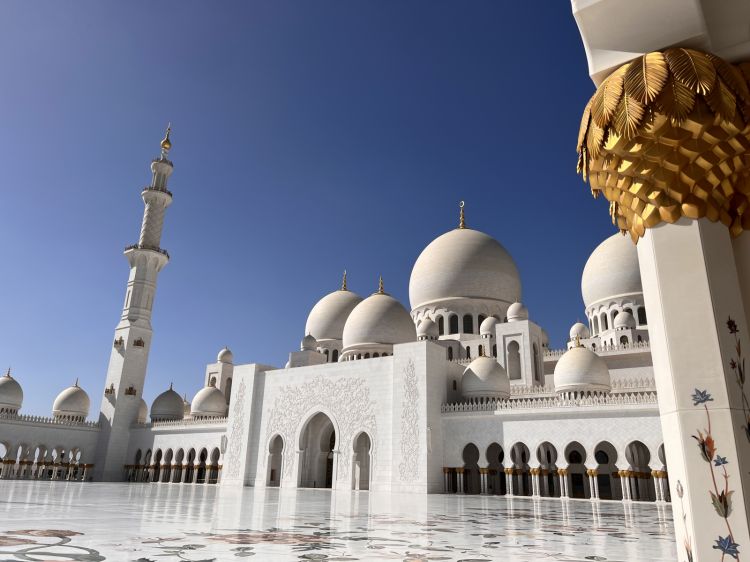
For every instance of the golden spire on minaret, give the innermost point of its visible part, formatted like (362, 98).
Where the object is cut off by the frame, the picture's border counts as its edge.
(461, 221)
(343, 282)
(381, 289)
(8, 373)
(166, 143)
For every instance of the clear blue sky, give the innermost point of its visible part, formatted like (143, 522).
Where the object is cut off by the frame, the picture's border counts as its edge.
(309, 137)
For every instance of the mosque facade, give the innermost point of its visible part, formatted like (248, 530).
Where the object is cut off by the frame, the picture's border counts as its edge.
(459, 394)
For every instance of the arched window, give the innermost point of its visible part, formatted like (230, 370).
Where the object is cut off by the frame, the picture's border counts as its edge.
(228, 389)
(614, 315)
(593, 345)
(605, 324)
(642, 316)
(468, 352)
(623, 339)
(629, 310)
(441, 325)
(640, 339)
(367, 355)
(480, 351)
(450, 354)
(514, 361)
(536, 363)
(212, 382)
(453, 324)
(325, 352)
(494, 350)
(595, 325)
(481, 319)
(455, 385)
(335, 356)
(468, 324)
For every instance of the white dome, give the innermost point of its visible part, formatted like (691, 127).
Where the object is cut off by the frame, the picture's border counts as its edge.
(579, 330)
(379, 319)
(209, 402)
(167, 406)
(327, 318)
(485, 378)
(581, 370)
(225, 356)
(487, 328)
(611, 271)
(464, 263)
(624, 321)
(516, 312)
(11, 394)
(427, 329)
(72, 403)
(142, 412)
(308, 343)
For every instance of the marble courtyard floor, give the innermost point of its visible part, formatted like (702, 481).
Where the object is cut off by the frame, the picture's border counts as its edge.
(167, 522)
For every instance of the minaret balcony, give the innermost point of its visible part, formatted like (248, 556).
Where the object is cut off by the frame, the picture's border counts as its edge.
(158, 189)
(147, 247)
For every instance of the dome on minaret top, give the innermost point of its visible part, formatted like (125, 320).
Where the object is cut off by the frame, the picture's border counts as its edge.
(72, 404)
(464, 263)
(427, 329)
(11, 394)
(308, 343)
(379, 319)
(517, 311)
(487, 327)
(579, 330)
(225, 356)
(168, 406)
(624, 321)
(327, 318)
(611, 271)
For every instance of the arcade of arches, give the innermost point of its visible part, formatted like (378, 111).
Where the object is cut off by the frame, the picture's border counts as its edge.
(191, 466)
(24, 462)
(573, 472)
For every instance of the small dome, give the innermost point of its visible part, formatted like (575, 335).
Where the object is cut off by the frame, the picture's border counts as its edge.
(308, 343)
(11, 395)
(142, 412)
(485, 378)
(379, 319)
(167, 406)
(427, 329)
(579, 330)
(71, 404)
(624, 321)
(225, 356)
(487, 328)
(209, 402)
(464, 263)
(581, 370)
(327, 318)
(611, 271)
(516, 312)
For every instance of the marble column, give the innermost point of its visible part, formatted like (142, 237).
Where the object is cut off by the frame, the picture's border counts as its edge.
(624, 482)
(699, 333)
(508, 485)
(194, 479)
(460, 480)
(446, 478)
(185, 467)
(657, 485)
(483, 480)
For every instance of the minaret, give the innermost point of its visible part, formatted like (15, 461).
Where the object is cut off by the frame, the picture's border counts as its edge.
(132, 342)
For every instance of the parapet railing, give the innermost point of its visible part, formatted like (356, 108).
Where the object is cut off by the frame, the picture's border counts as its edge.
(642, 384)
(185, 422)
(47, 421)
(619, 399)
(557, 353)
(147, 247)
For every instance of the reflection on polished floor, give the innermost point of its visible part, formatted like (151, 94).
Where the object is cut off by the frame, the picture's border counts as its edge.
(75, 521)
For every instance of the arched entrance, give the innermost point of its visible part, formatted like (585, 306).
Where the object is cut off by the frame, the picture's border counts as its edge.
(470, 456)
(605, 455)
(317, 445)
(496, 475)
(361, 463)
(275, 454)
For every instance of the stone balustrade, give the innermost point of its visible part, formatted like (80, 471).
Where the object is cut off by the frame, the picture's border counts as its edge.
(187, 422)
(594, 400)
(42, 420)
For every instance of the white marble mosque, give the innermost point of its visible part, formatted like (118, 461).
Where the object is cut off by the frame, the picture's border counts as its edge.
(450, 430)
(459, 395)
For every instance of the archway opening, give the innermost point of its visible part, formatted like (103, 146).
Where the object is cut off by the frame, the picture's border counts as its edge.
(578, 482)
(317, 443)
(520, 479)
(496, 474)
(549, 484)
(361, 463)
(275, 456)
(641, 484)
(605, 455)
(470, 456)
(514, 361)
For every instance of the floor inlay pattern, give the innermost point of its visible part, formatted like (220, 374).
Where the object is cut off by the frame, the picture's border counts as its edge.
(167, 522)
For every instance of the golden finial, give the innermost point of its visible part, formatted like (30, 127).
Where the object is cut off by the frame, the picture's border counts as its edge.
(578, 341)
(166, 144)
(461, 221)
(76, 383)
(8, 373)
(343, 282)
(381, 289)
(170, 386)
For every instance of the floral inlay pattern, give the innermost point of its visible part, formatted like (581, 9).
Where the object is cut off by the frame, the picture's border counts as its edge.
(408, 468)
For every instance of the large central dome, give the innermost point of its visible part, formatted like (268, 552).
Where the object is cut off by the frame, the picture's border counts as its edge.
(611, 271)
(464, 263)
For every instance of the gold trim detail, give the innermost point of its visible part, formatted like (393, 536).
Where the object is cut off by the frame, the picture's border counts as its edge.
(667, 135)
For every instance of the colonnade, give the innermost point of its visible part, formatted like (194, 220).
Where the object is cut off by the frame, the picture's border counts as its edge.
(44, 470)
